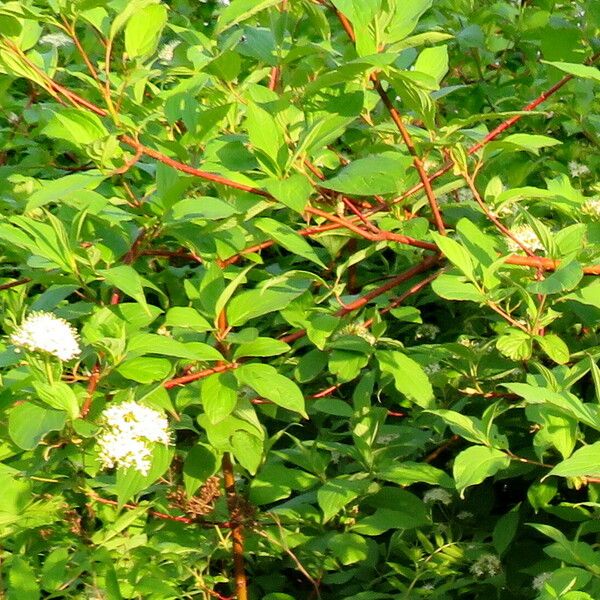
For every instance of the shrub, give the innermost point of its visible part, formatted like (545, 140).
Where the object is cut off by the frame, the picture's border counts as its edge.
(299, 299)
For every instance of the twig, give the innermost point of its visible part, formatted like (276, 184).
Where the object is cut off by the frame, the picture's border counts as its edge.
(12, 284)
(408, 142)
(424, 265)
(70, 28)
(199, 375)
(371, 236)
(441, 448)
(237, 530)
(502, 228)
(91, 389)
(296, 560)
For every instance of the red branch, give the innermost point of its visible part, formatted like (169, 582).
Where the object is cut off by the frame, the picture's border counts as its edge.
(424, 265)
(91, 389)
(199, 375)
(337, 223)
(408, 142)
(237, 531)
(12, 284)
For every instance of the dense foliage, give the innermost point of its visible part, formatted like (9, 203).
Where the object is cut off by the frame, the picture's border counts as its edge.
(291, 229)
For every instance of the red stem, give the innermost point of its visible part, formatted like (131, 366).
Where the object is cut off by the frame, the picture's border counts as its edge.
(12, 284)
(237, 530)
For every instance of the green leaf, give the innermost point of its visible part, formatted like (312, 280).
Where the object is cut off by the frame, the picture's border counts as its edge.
(433, 62)
(261, 346)
(127, 280)
(199, 209)
(516, 344)
(225, 294)
(240, 10)
(201, 462)
(28, 423)
(145, 369)
(346, 365)
(405, 17)
(9, 25)
(595, 376)
(554, 347)
(186, 317)
(480, 246)
(22, 584)
(473, 465)
(584, 462)
(589, 294)
(456, 254)
(247, 450)
(529, 142)
(407, 472)
(348, 548)
(143, 30)
(264, 300)
(564, 279)
(469, 428)
(265, 134)
(268, 383)
(582, 71)
(338, 492)
(376, 174)
(332, 406)
(131, 482)
(409, 377)
(361, 14)
(558, 430)
(55, 569)
(289, 239)
(76, 126)
(292, 192)
(59, 396)
(129, 9)
(63, 188)
(396, 508)
(505, 530)
(454, 287)
(219, 394)
(151, 343)
(573, 406)
(274, 481)
(16, 494)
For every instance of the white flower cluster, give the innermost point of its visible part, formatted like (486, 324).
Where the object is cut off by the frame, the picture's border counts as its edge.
(44, 332)
(437, 494)
(166, 53)
(527, 237)
(539, 581)
(487, 565)
(56, 40)
(128, 431)
(592, 208)
(577, 169)
(432, 368)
